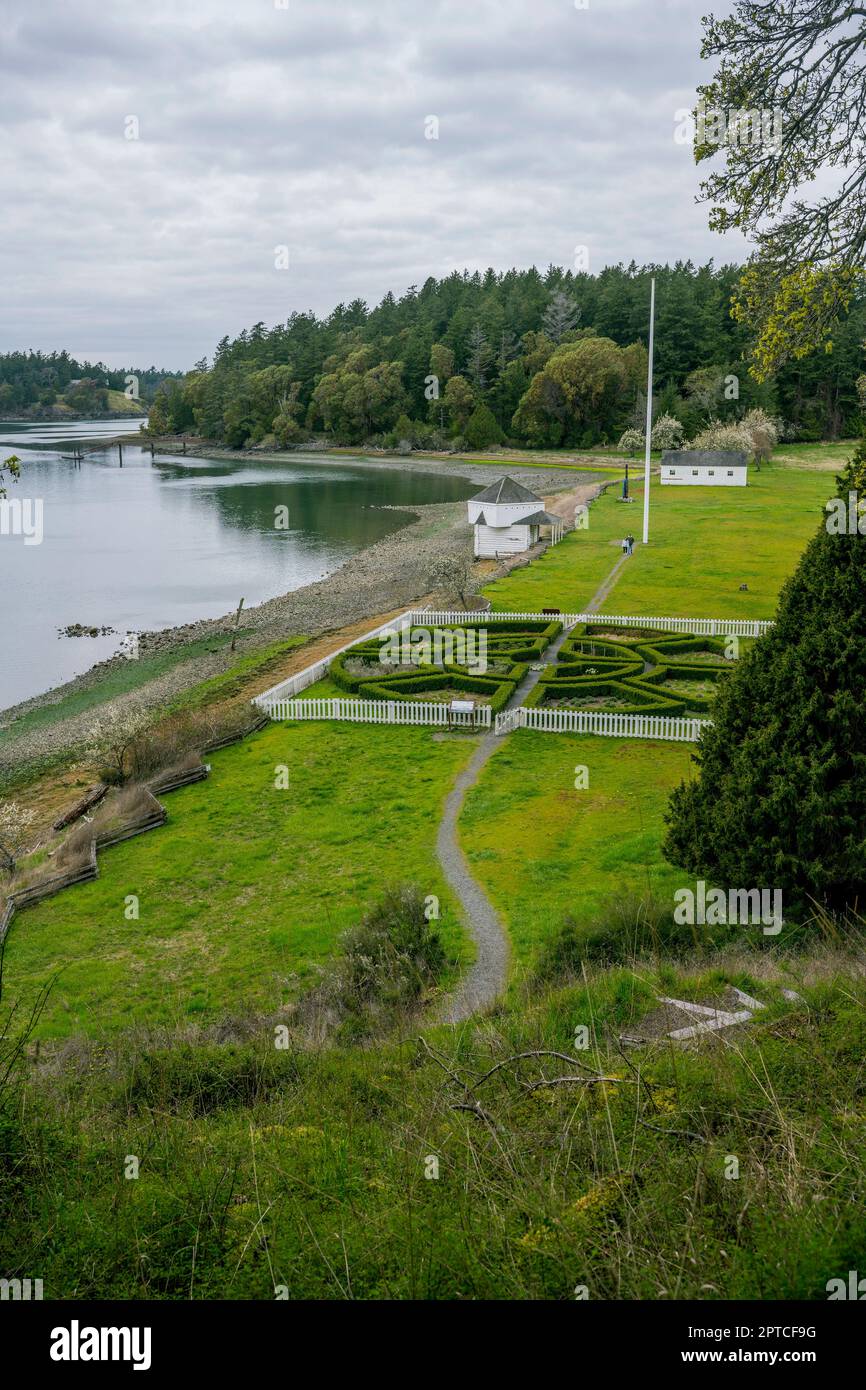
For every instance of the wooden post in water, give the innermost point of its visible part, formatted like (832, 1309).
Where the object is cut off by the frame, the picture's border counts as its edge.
(237, 622)
(120, 452)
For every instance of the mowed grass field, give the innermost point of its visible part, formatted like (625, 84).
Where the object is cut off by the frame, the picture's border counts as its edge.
(247, 888)
(704, 543)
(545, 850)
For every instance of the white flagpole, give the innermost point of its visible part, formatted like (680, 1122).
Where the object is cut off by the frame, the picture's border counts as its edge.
(649, 415)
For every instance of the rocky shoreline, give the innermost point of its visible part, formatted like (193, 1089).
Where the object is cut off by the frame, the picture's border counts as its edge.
(394, 572)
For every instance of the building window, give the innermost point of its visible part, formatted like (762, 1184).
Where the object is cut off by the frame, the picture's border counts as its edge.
(672, 472)
(730, 472)
(694, 472)
(712, 472)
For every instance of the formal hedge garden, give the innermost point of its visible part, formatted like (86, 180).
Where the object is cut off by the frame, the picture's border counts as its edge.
(368, 670)
(645, 672)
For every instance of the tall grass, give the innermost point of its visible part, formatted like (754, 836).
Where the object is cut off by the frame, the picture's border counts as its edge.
(501, 1160)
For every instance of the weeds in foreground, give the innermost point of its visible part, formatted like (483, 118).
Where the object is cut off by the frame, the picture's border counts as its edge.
(516, 1157)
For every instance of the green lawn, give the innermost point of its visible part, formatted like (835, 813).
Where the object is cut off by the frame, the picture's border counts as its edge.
(247, 887)
(704, 543)
(543, 849)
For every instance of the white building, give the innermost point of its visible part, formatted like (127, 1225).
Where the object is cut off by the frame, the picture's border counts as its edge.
(704, 468)
(508, 518)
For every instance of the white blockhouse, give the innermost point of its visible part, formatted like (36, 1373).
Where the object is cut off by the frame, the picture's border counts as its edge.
(508, 518)
(704, 468)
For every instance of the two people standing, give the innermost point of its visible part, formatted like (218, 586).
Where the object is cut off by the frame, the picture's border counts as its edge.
(628, 544)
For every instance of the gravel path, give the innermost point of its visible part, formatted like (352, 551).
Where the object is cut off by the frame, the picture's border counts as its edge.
(488, 974)
(487, 977)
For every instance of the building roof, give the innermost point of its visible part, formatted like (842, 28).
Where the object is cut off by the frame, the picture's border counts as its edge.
(506, 490)
(704, 458)
(537, 519)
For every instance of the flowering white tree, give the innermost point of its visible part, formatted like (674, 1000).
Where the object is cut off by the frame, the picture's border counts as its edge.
(667, 433)
(721, 436)
(764, 430)
(631, 442)
(15, 824)
(111, 738)
(453, 574)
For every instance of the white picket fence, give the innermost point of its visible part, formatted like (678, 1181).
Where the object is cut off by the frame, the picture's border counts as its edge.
(609, 722)
(698, 627)
(378, 711)
(293, 685)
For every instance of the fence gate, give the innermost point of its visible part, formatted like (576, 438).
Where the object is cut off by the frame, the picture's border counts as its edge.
(507, 720)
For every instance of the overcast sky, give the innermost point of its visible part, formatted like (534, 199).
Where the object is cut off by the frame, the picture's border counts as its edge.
(303, 124)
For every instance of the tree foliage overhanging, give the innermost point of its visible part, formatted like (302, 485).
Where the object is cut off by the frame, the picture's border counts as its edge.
(537, 359)
(780, 799)
(785, 111)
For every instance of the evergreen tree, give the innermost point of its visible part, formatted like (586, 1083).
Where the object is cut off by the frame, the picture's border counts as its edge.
(561, 316)
(479, 359)
(482, 429)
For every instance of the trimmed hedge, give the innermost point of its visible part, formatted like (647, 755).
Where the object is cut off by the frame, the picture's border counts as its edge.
(641, 701)
(571, 648)
(409, 688)
(513, 644)
(537, 625)
(607, 666)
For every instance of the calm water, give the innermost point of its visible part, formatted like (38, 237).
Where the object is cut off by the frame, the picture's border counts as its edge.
(152, 545)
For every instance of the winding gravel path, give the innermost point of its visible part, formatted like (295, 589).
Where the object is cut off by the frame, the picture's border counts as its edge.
(487, 977)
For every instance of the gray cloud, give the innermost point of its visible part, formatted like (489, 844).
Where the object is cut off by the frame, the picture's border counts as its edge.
(304, 126)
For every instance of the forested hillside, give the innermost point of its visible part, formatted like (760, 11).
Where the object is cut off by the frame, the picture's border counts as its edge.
(537, 359)
(35, 383)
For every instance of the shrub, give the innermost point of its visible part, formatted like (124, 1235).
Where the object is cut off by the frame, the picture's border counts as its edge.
(207, 1078)
(627, 929)
(387, 963)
